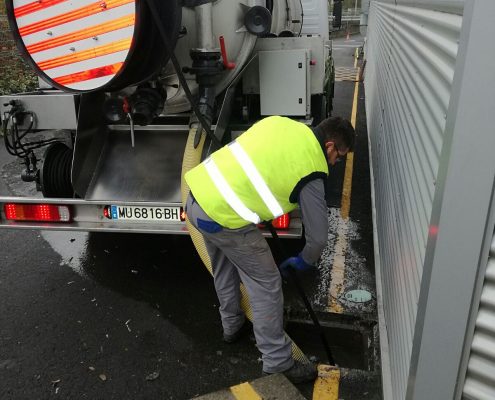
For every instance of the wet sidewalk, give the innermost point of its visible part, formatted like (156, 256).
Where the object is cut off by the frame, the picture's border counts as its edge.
(343, 292)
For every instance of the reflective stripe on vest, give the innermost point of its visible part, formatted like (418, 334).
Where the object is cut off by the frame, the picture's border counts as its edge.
(256, 179)
(285, 153)
(228, 194)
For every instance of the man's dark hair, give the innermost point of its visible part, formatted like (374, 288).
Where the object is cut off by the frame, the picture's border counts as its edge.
(339, 131)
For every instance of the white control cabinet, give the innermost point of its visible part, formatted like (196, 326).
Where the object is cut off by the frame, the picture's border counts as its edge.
(284, 82)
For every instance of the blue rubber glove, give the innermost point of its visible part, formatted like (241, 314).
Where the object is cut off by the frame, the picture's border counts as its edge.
(297, 263)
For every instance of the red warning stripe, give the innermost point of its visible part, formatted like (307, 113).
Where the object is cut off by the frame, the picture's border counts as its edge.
(114, 47)
(70, 16)
(35, 6)
(90, 74)
(85, 33)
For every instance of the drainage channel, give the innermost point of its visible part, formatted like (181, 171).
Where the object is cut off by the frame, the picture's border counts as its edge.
(354, 345)
(348, 346)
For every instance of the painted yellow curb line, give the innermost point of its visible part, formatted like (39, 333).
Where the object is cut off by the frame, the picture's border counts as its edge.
(245, 391)
(338, 267)
(349, 166)
(326, 386)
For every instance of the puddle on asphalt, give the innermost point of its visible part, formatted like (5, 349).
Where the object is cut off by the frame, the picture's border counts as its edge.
(357, 276)
(72, 247)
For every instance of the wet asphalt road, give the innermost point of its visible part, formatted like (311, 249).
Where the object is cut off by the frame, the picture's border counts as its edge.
(140, 305)
(110, 316)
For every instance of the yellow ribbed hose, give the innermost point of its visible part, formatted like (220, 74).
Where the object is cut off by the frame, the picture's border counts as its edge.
(192, 157)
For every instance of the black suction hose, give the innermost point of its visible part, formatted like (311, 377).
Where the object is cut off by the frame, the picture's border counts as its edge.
(182, 80)
(302, 294)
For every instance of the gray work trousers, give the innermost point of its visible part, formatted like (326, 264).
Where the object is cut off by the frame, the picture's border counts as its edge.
(244, 255)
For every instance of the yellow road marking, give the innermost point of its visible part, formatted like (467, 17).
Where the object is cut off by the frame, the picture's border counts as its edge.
(326, 386)
(355, 99)
(338, 267)
(346, 191)
(356, 56)
(245, 391)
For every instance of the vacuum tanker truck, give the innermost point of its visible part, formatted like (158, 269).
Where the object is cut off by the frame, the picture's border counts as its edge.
(133, 93)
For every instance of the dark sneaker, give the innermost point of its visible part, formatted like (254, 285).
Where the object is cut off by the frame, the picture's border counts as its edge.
(300, 373)
(234, 337)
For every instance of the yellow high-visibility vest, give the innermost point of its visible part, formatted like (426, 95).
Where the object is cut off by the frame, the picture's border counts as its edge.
(258, 176)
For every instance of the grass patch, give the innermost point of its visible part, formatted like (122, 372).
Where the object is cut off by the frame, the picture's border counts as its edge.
(17, 81)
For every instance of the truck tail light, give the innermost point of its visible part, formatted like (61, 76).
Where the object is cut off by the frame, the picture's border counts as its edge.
(37, 212)
(281, 222)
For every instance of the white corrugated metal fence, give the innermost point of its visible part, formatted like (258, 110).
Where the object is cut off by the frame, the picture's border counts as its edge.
(411, 55)
(480, 379)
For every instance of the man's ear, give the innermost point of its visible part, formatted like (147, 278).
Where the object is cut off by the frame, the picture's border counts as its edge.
(328, 144)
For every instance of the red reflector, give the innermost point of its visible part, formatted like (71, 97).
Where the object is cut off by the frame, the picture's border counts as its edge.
(37, 212)
(72, 15)
(107, 213)
(93, 31)
(281, 222)
(89, 74)
(114, 47)
(37, 5)
(182, 215)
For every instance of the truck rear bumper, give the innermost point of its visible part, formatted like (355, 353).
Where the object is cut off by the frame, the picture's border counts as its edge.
(89, 216)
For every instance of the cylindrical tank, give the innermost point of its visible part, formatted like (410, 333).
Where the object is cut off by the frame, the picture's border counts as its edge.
(84, 46)
(227, 21)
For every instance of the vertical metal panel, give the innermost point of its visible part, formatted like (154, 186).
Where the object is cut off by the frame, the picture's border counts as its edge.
(462, 218)
(448, 6)
(480, 378)
(315, 18)
(411, 54)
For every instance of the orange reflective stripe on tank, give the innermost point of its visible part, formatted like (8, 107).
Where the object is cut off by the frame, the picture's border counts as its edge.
(85, 33)
(90, 74)
(35, 6)
(70, 16)
(110, 48)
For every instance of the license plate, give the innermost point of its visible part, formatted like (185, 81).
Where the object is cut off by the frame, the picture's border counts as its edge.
(136, 213)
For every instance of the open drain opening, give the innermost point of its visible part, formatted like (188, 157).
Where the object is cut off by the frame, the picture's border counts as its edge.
(347, 345)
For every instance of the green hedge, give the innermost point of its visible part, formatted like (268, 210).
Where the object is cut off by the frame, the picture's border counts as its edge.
(12, 81)
(15, 75)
